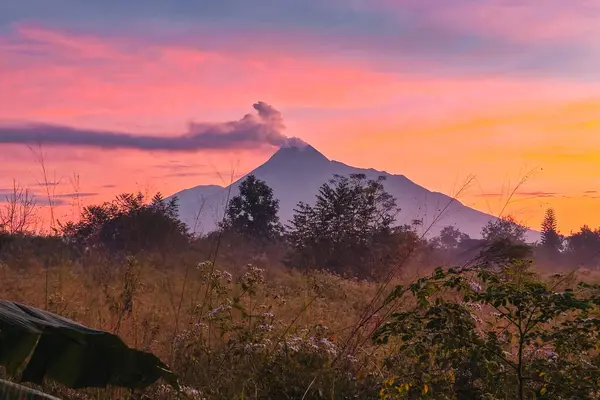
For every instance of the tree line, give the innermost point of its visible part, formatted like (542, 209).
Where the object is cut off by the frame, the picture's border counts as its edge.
(350, 229)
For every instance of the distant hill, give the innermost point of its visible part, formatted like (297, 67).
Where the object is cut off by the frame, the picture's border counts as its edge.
(295, 173)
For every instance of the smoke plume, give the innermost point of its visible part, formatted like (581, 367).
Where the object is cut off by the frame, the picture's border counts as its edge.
(265, 127)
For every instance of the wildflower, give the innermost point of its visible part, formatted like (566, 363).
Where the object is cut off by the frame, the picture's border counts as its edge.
(227, 276)
(204, 265)
(475, 286)
(265, 328)
(351, 359)
(218, 310)
(191, 392)
(200, 326)
(253, 276)
(328, 346)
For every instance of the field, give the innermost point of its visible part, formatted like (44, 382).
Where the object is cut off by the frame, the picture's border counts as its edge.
(336, 306)
(290, 335)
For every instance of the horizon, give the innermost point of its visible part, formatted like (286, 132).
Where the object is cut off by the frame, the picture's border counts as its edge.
(156, 98)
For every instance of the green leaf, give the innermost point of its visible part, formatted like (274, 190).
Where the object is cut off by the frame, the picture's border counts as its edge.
(71, 354)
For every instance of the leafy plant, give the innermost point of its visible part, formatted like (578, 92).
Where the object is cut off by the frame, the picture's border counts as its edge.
(38, 345)
(479, 334)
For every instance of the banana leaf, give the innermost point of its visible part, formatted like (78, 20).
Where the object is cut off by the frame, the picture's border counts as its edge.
(44, 345)
(13, 391)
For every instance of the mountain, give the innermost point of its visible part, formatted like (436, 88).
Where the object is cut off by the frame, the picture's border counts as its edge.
(297, 170)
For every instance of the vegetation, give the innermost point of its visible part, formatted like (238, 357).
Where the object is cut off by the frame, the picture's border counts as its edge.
(501, 336)
(340, 304)
(252, 213)
(348, 230)
(551, 240)
(130, 225)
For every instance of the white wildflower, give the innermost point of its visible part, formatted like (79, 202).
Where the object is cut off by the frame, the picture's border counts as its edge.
(476, 287)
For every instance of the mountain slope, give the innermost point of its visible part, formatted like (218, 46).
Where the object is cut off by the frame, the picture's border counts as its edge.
(295, 174)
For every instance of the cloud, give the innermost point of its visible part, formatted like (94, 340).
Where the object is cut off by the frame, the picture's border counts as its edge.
(75, 195)
(44, 184)
(211, 174)
(464, 36)
(252, 131)
(533, 194)
(41, 199)
(176, 165)
(537, 194)
(183, 174)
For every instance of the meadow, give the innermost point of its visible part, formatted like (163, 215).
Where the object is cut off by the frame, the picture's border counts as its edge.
(237, 318)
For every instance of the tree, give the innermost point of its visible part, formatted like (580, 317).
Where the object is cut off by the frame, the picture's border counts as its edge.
(506, 228)
(584, 246)
(129, 224)
(551, 239)
(253, 212)
(18, 213)
(349, 229)
(451, 238)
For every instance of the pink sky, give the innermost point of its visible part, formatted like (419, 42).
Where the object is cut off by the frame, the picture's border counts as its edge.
(433, 115)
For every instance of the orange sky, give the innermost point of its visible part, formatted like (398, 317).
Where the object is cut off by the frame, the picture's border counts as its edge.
(402, 116)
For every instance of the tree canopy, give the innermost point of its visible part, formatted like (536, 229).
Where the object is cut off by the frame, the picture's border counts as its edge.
(347, 227)
(252, 213)
(129, 224)
(551, 240)
(504, 228)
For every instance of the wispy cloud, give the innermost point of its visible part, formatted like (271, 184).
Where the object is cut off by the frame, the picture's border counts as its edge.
(532, 194)
(252, 131)
(49, 183)
(75, 195)
(40, 199)
(465, 35)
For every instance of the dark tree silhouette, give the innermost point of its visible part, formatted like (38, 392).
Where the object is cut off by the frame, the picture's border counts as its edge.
(349, 229)
(450, 238)
(503, 243)
(551, 240)
(584, 246)
(253, 212)
(504, 228)
(129, 224)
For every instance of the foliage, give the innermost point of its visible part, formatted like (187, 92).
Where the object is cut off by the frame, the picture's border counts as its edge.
(584, 246)
(38, 345)
(252, 213)
(477, 334)
(450, 238)
(551, 240)
(505, 228)
(129, 224)
(269, 359)
(268, 332)
(350, 223)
